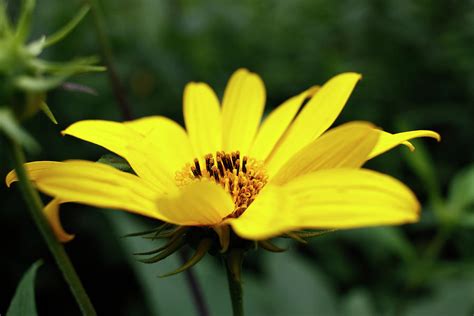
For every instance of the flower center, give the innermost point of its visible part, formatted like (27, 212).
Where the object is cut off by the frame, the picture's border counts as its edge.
(241, 177)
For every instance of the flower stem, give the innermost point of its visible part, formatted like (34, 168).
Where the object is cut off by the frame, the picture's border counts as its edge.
(35, 206)
(106, 49)
(233, 266)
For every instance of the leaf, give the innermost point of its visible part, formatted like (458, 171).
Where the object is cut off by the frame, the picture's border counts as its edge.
(10, 127)
(117, 162)
(65, 30)
(23, 302)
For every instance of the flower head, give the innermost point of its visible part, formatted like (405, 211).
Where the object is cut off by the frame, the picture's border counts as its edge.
(228, 172)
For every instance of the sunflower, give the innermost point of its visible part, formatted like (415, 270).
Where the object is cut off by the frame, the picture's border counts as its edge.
(230, 174)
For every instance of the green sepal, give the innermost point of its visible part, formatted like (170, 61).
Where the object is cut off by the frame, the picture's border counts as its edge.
(178, 234)
(11, 128)
(38, 84)
(35, 48)
(202, 249)
(23, 302)
(150, 231)
(118, 163)
(269, 246)
(78, 65)
(66, 29)
(310, 234)
(46, 110)
(24, 21)
(164, 234)
(5, 27)
(175, 246)
(295, 237)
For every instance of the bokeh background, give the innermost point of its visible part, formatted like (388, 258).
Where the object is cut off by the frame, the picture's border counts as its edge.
(417, 61)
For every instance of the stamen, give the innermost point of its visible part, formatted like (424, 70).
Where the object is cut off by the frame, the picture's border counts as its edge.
(197, 166)
(244, 164)
(241, 177)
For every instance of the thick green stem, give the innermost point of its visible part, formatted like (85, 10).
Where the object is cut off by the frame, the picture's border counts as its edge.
(35, 207)
(233, 266)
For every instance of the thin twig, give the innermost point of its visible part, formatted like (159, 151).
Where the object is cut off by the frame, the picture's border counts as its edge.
(115, 82)
(193, 284)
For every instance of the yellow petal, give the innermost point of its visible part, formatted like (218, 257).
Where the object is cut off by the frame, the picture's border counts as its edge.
(315, 118)
(113, 136)
(345, 146)
(387, 141)
(202, 116)
(331, 198)
(263, 218)
(34, 168)
(158, 155)
(144, 125)
(199, 203)
(95, 184)
(242, 109)
(52, 214)
(276, 124)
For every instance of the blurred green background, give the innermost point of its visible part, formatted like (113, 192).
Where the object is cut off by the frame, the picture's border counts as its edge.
(417, 61)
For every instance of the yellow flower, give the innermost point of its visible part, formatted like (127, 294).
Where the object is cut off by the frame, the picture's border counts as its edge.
(228, 170)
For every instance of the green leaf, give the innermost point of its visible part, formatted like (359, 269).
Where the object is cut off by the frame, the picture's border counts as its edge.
(65, 30)
(10, 127)
(24, 22)
(117, 162)
(23, 302)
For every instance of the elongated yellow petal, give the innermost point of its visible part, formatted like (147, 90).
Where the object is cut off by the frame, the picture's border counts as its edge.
(144, 125)
(276, 124)
(199, 203)
(52, 214)
(264, 218)
(117, 137)
(34, 168)
(113, 136)
(242, 109)
(345, 146)
(315, 118)
(387, 141)
(165, 150)
(202, 116)
(331, 198)
(95, 184)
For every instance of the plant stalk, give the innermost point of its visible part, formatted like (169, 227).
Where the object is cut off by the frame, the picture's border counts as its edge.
(35, 206)
(115, 82)
(233, 266)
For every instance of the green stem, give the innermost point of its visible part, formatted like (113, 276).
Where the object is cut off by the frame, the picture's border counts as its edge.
(35, 206)
(234, 268)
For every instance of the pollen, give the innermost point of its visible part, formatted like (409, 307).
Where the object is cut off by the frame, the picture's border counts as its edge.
(241, 177)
